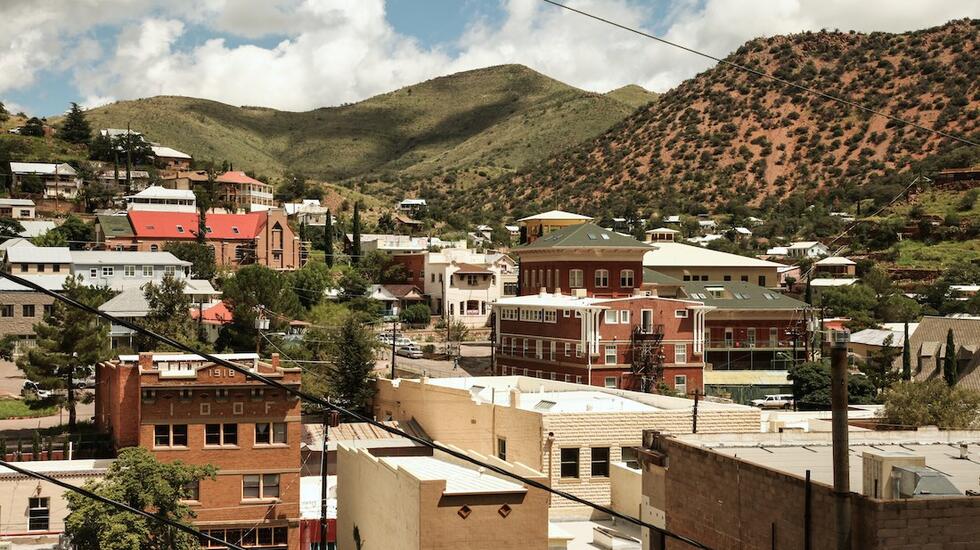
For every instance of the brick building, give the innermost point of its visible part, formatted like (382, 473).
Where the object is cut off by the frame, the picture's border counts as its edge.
(749, 492)
(238, 239)
(244, 192)
(184, 408)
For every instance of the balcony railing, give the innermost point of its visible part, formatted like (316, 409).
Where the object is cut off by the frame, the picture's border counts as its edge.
(744, 343)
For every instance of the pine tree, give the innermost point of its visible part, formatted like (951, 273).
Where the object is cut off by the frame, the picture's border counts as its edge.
(69, 344)
(352, 373)
(168, 314)
(328, 239)
(33, 127)
(356, 245)
(949, 361)
(906, 356)
(4, 114)
(76, 128)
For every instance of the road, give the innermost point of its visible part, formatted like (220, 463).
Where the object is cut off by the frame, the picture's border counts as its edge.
(475, 361)
(11, 380)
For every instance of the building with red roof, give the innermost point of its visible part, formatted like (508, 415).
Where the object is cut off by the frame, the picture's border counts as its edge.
(244, 192)
(238, 239)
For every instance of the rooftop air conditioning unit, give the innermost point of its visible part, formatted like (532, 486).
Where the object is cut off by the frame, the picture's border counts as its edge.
(919, 481)
(580, 293)
(877, 471)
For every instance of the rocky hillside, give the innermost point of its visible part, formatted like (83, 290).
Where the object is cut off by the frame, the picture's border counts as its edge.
(727, 135)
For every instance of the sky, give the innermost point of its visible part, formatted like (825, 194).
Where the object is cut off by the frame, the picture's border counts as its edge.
(303, 54)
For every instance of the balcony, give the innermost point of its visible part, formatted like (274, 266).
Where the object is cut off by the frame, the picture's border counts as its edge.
(735, 343)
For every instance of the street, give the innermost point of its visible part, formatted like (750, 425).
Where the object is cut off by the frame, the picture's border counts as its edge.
(474, 361)
(11, 380)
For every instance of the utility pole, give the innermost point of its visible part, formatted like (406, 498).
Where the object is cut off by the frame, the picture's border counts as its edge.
(323, 481)
(394, 336)
(838, 401)
(694, 416)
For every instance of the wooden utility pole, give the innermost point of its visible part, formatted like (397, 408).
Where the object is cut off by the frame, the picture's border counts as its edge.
(842, 471)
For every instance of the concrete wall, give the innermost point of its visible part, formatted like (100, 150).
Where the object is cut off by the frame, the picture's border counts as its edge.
(17, 489)
(626, 489)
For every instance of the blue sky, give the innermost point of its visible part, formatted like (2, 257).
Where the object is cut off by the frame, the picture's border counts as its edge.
(303, 54)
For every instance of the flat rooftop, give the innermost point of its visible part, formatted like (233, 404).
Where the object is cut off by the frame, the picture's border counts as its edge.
(54, 467)
(814, 452)
(460, 480)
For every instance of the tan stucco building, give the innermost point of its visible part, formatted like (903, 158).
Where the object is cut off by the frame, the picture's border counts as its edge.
(571, 432)
(541, 224)
(436, 502)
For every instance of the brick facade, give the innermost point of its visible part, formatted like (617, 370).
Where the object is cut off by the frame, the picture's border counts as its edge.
(551, 275)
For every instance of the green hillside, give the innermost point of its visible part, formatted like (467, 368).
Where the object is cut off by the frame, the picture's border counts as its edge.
(633, 95)
(506, 116)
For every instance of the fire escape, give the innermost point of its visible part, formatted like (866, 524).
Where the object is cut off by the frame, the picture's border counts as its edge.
(648, 357)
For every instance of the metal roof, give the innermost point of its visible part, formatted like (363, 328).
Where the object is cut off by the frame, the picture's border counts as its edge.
(877, 337)
(16, 202)
(50, 282)
(125, 257)
(167, 152)
(556, 215)
(835, 260)
(739, 295)
(840, 281)
(36, 228)
(671, 254)
(42, 168)
(115, 226)
(158, 192)
(584, 235)
(39, 254)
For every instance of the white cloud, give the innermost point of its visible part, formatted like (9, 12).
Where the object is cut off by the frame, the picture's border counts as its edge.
(345, 50)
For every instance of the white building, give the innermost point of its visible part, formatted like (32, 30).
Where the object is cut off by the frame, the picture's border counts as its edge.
(412, 206)
(122, 270)
(161, 199)
(402, 243)
(59, 180)
(309, 212)
(807, 249)
(462, 284)
(18, 209)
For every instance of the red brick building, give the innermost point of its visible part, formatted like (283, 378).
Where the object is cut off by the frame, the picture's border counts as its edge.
(184, 408)
(584, 315)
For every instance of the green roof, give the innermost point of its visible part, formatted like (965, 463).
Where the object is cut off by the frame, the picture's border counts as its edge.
(738, 295)
(115, 226)
(651, 276)
(584, 235)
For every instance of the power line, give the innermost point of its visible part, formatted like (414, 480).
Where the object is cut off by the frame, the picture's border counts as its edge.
(764, 74)
(122, 506)
(351, 414)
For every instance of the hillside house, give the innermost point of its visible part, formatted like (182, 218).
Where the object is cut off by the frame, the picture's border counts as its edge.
(60, 181)
(183, 179)
(412, 207)
(18, 209)
(244, 192)
(161, 199)
(139, 179)
(835, 266)
(170, 159)
(536, 226)
(807, 249)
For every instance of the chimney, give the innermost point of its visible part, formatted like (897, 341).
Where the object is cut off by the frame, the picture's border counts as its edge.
(515, 397)
(557, 292)
(275, 360)
(146, 360)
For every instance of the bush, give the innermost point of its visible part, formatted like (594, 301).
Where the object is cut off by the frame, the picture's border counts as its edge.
(931, 402)
(416, 314)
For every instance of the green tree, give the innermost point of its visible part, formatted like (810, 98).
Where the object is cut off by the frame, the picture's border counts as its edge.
(380, 267)
(328, 239)
(201, 257)
(906, 356)
(70, 342)
(34, 127)
(78, 233)
(811, 385)
(10, 228)
(352, 373)
(4, 113)
(950, 365)
(931, 403)
(356, 234)
(168, 314)
(386, 223)
(880, 366)
(311, 282)
(76, 128)
(416, 314)
(101, 148)
(855, 302)
(252, 287)
(138, 479)
(51, 237)
(296, 187)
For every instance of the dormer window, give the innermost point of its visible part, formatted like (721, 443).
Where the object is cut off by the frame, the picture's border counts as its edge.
(208, 228)
(234, 230)
(180, 229)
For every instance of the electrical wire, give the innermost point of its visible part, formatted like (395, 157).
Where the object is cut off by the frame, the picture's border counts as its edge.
(326, 405)
(766, 75)
(122, 506)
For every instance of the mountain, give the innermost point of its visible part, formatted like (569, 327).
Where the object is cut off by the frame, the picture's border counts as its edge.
(633, 95)
(726, 135)
(500, 117)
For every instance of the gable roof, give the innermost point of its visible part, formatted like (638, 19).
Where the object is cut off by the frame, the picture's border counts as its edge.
(123, 257)
(158, 192)
(929, 339)
(877, 337)
(115, 226)
(15, 241)
(739, 295)
(163, 225)
(39, 254)
(835, 260)
(16, 202)
(160, 151)
(237, 176)
(42, 168)
(35, 228)
(584, 235)
(405, 291)
(673, 254)
(556, 215)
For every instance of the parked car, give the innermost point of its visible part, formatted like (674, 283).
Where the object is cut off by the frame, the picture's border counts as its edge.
(411, 351)
(385, 338)
(32, 388)
(83, 383)
(776, 401)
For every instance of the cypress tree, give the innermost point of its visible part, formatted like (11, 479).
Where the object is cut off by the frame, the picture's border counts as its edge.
(949, 361)
(906, 356)
(328, 239)
(76, 128)
(808, 296)
(356, 245)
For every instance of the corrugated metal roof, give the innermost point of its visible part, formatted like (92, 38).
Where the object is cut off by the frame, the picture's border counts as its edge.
(39, 254)
(671, 254)
(125, 257)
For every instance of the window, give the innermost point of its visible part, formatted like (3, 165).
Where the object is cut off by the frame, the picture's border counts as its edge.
(221, 434)
(680, 383)
(569, 462)
(578, 350)
(626, 278)
(147, 270)
(267, 433)
(566, 313)
(762, 281)
(745, 278)
(600, 461)
(433, 278)
(680, 353)
(601, 278)
(568, 349)
(40, 268)
(680, 313)
(28, 310)
(750, 335)
(47, 309)
(610, 382)
(169, 270)
(728, 277)
(93, 273)
(192, 490)
(108, 271)
(624, 317)
(631, 458)
(234, 229)
(612, 316)
(610, 355)
(7, 310)
(646, 321)
(38, 513)
(129, 271)
(501, 448)
(552, 348)
(524, 348)
(538, 353)
(56, 267)
(550, 316)
(471, 279)
(576, 278)
(773, 337)
(180, 229)
(260, 486)
(154, 248)
(170, 435)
